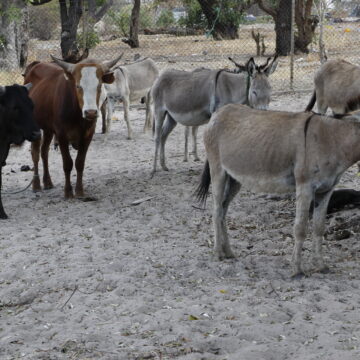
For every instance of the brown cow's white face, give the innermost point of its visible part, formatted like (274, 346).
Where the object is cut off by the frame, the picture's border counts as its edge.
(88, 88)
(88, 77)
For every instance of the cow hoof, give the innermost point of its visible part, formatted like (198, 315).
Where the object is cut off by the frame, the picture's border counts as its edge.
(87, 198)
(69, 196)
(185, 160)
(3, 216)
(196, 159)
(165, 168)
(48, 186)
(36, 189)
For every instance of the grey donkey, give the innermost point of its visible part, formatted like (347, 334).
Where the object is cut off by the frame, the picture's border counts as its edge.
(132, 83)
(273, 151)
(189, 98)
(337, 86)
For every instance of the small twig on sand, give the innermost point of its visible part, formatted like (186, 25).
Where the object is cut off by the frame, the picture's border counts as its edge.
(250, 253)
(274, 291)
(198, 208)
(72, 294)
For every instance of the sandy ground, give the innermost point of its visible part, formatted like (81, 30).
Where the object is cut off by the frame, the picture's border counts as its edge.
(107, 279)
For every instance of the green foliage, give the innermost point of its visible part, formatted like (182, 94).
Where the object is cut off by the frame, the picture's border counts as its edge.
(121, 19)
(89, 40)
(165, 19)
(194, 18)
(2, 42)
(13, 13)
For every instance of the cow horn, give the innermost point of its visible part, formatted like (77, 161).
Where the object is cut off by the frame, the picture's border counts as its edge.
(65, 65)
(2, 90)
(107, 65)
(28, 86)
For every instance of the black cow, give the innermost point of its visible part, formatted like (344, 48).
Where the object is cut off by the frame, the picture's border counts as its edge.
(16, 123)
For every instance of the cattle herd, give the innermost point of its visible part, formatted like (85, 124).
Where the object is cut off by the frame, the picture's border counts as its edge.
(246, 144)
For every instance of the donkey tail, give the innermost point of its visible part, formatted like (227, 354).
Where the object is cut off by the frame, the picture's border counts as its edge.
(202, 190)
(311, 102)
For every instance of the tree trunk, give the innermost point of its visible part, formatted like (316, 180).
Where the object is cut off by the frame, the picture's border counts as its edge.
(14, 23)
(70, 18)
(218, 29)
(133, 40)
(283, 28)
(306, 24)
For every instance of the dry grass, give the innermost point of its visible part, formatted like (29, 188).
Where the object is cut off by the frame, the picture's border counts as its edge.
(342, 41)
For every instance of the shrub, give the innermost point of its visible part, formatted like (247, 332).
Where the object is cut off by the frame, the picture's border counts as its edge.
(166, 19)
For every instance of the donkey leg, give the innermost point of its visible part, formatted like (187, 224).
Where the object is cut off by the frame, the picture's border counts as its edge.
(35, 154)
(169, 125)
(47, 138)
(149, 114)
(126, 104)
(158, 123)
(232, 187)
(186, 150)
(194, 130)
(303, 200)
(319, 218)
(218, 179)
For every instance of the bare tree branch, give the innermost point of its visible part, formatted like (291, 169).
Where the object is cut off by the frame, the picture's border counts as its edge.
(267, 8)
(39, 2)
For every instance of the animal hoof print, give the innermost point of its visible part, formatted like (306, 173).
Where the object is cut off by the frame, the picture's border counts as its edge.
(298, 276)
(324, 270)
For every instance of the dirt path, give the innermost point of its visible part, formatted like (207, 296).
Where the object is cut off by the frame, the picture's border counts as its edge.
(109, 280)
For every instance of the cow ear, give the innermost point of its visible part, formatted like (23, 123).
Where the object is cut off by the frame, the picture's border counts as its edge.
(251, 67)
(108, 78)
(272, 67)
(2, 90)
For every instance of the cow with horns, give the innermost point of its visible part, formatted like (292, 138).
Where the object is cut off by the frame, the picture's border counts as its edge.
(66, 98)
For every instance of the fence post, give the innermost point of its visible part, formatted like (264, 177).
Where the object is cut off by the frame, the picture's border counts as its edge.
(292, 45)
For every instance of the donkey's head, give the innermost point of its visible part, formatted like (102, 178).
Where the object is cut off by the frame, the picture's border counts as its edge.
(258, 86)
(88, 77)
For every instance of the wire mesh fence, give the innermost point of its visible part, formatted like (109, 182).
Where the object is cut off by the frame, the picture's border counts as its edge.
(177, 34)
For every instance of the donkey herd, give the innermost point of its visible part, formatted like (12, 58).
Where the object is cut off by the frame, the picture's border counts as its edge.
(246, 144)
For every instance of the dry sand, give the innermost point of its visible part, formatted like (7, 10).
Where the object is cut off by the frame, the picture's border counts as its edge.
(107, 279)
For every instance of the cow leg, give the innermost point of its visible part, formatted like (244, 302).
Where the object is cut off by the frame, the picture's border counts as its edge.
(149, 113)
(126, 103)
(319, 218)
(158, 124)
(186, 150)
(2, 211)
(67, 166)
(35, 154)
(169, 125)
(194, 130)
(303, 201)
(47, 138)
(80, 164)
(104, 116)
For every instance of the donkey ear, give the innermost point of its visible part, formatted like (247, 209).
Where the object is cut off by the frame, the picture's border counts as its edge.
(251, 67)
(272, 67)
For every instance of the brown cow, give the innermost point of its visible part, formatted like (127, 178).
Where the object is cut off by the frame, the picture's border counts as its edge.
(66, 99)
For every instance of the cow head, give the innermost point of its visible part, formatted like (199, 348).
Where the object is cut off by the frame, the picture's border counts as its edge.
(259, 89)
(17, 114)
(88, 77)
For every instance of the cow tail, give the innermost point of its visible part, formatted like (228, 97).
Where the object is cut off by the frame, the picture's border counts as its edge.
(311, 102)
(202, 191)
